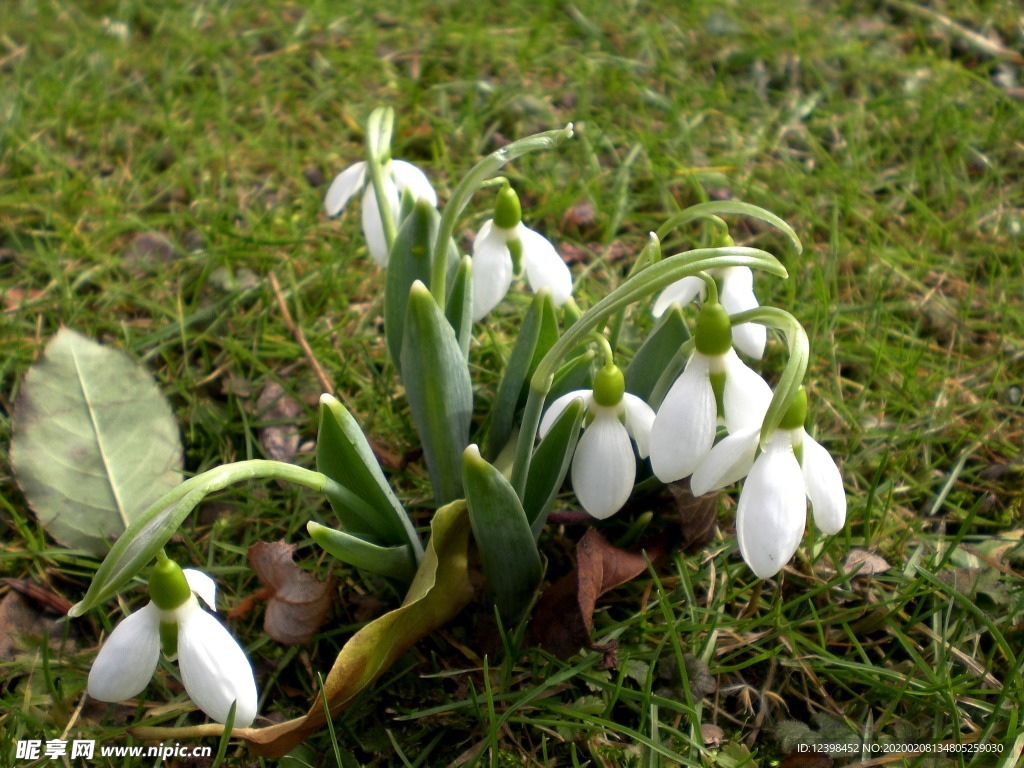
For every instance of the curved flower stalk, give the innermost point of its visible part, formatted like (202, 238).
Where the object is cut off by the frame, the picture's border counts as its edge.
(715, 386)
(603, 467)
(792, 469)
(504, 246)
(736, 292)
(398, 177)
(214, 668)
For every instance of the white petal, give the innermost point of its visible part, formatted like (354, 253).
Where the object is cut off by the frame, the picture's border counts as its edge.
(639, 420)
(728, 462)
(750, 339)
(128, 658)
(684, 428)
(202, 585)
(824, 487)
(603, 469)
(737, 295)
(746, 395)
(681, 292)
(408, 176)
(373, 226)
(345, 184)
(560, 404)
(544, 267)
(772, 511)
(492, 270)
(214, 668)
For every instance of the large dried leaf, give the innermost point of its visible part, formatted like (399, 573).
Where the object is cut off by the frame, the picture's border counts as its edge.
(297, 603)
(95, 442)
(565, 613)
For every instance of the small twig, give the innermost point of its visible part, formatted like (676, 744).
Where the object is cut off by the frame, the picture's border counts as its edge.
(386, 458)
(325, 383)
(971, 38)
(762, 711)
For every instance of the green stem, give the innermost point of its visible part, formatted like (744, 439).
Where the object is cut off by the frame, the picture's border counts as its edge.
(148, 532)
(464, 192)
(606, 348)
(725, 207)
(646, 283)
(796, 367)
(378, 149)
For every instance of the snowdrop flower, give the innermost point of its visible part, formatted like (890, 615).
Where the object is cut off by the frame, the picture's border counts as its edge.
(503, 246)
(603, 467)
(792, 469)
(214, 668)
(714, 383)
(398, 177)
(736, 292)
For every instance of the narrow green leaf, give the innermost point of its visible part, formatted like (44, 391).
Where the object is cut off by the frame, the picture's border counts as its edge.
(508, 551)
(95, 442)
(408, 262)
(574, 374)
(459, 308)
(392, 562)
(550, 464)
(656, 353)
(344, 455)
(439, 390)
(537, 334)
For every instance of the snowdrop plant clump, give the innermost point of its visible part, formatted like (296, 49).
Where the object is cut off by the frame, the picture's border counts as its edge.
(506, 407)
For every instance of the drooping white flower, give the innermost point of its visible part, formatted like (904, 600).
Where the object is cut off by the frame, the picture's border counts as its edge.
(685, 427)
(398, 177)
(736, 292)
(772, 509)
(603, 467)
(214, 668)
(497, 243)
(792, 469)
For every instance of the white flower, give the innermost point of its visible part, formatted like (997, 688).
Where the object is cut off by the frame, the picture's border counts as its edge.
(398, 177)
(493, 268)
(687, 420)
(773, 504)
(603, 468)
(214, 667)
(736, 292)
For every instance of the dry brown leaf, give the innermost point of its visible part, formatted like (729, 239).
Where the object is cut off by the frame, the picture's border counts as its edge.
(797, 759)
(865, 563)
(698, 517)
(280, 437)
(297, 603)
(564, 615)
(20, 619)
(711, 735)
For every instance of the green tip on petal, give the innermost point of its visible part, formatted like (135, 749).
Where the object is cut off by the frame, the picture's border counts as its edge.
(168, 587)
(609, 386)
(713, 334)
(796, 414)
(507, 211)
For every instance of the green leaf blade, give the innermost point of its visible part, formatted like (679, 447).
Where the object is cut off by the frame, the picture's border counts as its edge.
(344, 455)
(392, 562)
(508, 551)
(439, 390)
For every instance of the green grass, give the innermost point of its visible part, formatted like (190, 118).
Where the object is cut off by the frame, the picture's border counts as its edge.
(891, 144)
